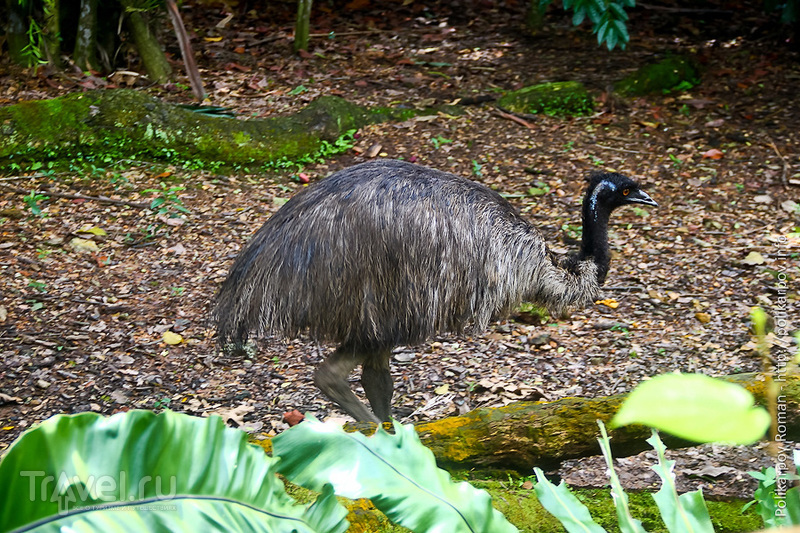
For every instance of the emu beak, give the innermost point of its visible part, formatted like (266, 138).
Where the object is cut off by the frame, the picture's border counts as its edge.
(640, 197)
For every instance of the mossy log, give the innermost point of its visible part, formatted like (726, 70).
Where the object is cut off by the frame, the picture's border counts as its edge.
(672, 73)
(563, 99)
(129, 124)
(527, 434)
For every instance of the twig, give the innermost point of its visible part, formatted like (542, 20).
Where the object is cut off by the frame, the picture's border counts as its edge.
(346, 33)
(67, 196)
(618, 149)
(15, 178)
(784, 179)
(515, 118)
(685, 9)
(186, 51)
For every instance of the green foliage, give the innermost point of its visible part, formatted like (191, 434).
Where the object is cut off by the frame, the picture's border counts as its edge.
(539, 188)
(175, 472)
(477, 169)
(326, 149)
(562, 504)
(396, 472)
(608, 18)
(627, 523)
(561, 99)
(686, 513)
(167, 472)
(682, 404)
(438, 141)
(32, 201)
(789, 9)
(776, 503)
(671, 74)
(167, 201)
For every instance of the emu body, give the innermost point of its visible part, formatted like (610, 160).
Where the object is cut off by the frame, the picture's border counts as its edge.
(387, 253)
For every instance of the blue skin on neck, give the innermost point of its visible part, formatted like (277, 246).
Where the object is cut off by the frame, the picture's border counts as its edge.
(595, 192)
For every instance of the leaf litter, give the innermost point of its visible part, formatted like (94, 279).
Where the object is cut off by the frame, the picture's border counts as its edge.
(105, 306)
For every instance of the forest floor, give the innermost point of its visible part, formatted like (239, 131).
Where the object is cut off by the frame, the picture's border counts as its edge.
(81, 326)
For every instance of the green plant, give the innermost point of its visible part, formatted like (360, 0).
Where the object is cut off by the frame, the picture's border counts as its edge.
(477, 168)
(167, 199)
(677, 163)
(776, 503)
(32, 201)
(682, 404)
(438, 141)
(300, 89)
(326, 149)
(573, 231)
(177, 291)
(40, 286)
(77, 471)
(162, 403)
(396, 472)
(539, 188)
(681, 513)
(608, 18)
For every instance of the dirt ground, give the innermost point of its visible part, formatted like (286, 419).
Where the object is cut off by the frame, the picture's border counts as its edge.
(82, 323)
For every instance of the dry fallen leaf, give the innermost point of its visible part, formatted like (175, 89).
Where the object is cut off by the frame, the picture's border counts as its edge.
(704, 318)
(83, 246)
(609, 302)
(293, 417)
(713, 154)
(94, 230)
(754, 258)
(172, 338)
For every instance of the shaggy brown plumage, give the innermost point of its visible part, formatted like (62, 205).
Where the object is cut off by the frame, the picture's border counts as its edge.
(387, 253)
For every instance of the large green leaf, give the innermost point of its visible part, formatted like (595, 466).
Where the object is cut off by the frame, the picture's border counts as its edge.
(686, 513)
(683, 404)
(167, 472)
(565, 506)
(396, 472)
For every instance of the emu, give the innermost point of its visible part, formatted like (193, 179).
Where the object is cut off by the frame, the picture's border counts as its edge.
(387, 252)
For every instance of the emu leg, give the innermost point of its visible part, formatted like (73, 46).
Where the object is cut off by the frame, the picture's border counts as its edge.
(377, 382)
(331, 378)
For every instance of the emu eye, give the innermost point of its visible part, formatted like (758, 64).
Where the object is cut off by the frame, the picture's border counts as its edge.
(626, 192)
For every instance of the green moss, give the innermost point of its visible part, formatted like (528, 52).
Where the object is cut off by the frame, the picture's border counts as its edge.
(563, 99)
(674, 73)
(124, 124)
(523, 509)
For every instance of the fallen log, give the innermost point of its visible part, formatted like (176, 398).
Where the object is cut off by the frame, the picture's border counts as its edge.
(127, 124)
(527, 434)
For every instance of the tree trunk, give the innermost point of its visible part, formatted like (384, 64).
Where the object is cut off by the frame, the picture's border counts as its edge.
(534, 19)
(85, 53)
(527, 434)
(52, 31)
(301, 29)
(156, 65)
(17, 34)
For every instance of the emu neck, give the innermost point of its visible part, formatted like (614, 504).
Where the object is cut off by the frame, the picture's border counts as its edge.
(594, 244)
